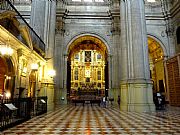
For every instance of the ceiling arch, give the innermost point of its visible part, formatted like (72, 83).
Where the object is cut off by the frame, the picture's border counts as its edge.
(155, 50)
(87, 42)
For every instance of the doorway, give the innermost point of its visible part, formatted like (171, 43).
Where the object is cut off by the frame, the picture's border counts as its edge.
(157, 74)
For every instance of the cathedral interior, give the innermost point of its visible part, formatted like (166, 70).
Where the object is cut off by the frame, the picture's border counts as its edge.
(59, 60)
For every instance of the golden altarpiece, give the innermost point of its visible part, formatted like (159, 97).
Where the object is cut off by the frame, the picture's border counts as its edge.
(87, 72)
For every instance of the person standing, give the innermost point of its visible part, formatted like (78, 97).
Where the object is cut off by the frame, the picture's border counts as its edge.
(119, 101)
(107, 101)
(104, 101)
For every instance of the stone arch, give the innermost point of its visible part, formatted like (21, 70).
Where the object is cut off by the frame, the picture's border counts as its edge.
(91, 42)
(87, 34)
(157, 55)
(160, 43)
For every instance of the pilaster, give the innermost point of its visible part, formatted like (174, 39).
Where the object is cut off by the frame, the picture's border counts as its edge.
(37, 20)
(166, 7)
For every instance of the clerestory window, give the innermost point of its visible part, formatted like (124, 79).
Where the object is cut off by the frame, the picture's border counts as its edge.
(76, 0)
(151, 0)
(88, 0)
(99, 0)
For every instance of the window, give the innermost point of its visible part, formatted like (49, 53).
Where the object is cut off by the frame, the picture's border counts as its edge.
(99, 0)
(87, 0)
(151, 0)
(77, 0)
(22, 1)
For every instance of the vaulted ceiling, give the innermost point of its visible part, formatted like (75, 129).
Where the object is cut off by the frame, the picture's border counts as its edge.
(155, 50)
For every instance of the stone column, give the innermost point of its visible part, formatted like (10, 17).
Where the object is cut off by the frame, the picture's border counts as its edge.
(37, 20)
(109, 70)
(60, 58)
(51, 32)
(115, 58)
(136, 87)
(60, 67)
(43, 20)
(63, 92)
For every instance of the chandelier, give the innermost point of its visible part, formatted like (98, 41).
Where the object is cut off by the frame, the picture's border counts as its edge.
(5, 50)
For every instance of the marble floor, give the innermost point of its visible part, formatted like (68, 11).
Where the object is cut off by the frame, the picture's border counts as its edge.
(95, 120)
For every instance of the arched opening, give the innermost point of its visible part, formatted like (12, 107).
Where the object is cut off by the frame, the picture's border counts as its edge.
(7, 78)
(157, 74)
(87, 67)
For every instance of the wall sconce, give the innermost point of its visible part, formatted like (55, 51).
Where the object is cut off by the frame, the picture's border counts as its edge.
(34, 66)
(8, 95)
(24, 69)
(51, 73)
(8, 77)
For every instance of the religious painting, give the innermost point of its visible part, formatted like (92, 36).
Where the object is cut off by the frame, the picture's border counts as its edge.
(76, 56)
(87, 56)
(99, 56)
(76, 85)
(87, 73)
(87, 79)
(99, 85)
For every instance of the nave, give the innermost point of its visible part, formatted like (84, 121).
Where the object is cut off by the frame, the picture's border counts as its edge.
(95, 120)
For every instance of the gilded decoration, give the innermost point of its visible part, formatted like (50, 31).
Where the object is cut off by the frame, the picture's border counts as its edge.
(88, 56)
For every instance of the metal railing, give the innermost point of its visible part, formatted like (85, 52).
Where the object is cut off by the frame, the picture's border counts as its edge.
(38, 44)
(41, 106)
(15, 111)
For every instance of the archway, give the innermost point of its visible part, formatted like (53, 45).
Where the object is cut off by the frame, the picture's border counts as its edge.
(7, 78)
(87, 67)
(157, 74)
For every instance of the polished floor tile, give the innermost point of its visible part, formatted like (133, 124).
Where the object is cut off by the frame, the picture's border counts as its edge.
(94, 120)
